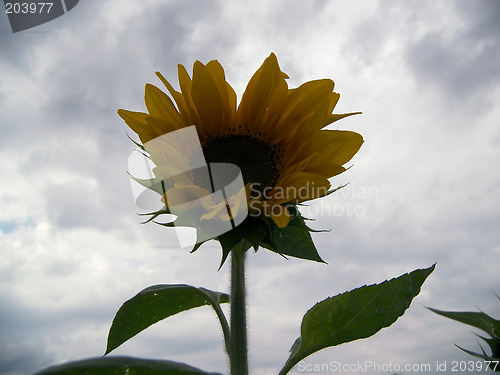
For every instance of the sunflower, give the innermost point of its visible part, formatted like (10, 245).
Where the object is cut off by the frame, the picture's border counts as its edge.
(275, 135)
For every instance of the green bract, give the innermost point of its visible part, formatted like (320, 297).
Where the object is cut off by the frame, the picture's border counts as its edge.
(487, 324)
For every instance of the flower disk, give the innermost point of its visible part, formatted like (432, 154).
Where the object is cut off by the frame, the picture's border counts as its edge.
(259, 161)
(275, 135)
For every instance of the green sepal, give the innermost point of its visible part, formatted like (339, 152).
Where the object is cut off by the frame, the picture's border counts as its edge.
(495, 361)
(493, 343)
(156, 303)
(137, 144)
(355, 315)
(155, 184)
(333, 190)
(232, 241)
(179, 222)
(253, 230)
(293, 240)
(197, 246)
(123, 366)
(318, 230)
(170, 224)
(154, 215)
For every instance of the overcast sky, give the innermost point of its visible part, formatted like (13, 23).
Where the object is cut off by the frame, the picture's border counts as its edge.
(424, 187)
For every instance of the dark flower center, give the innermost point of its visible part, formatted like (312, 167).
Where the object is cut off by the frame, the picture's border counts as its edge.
(257, 159)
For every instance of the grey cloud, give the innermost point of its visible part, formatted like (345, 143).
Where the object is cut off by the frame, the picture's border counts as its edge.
(22, 348)
(30, 333)
(370, 36)
(113, 62)
(464, 64)
(21, 351)
(482, 18)
(454, 47)
(100, 200)
(18, 49)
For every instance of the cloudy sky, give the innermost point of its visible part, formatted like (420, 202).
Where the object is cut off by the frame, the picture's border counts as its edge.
(424, 187)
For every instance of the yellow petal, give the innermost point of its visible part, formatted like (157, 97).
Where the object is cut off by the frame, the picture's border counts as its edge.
(137, 122)
(179, 154)
(206, 98)
(306, 99)
(227, 94)
(173, 175)
(299, 187)
(160, 106)
(213, 212)
(324, 168)
(186, 88)
(158, 126)
(265, 93)
(312, 124)
(337, 116)
(334, 99)
(280, 216)
(338, 146)
(298, 164)
(309, 100)
(185, 196)
(179, 99)
(327, 146)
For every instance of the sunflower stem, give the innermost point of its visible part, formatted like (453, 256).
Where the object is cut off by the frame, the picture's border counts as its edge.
(239, 347)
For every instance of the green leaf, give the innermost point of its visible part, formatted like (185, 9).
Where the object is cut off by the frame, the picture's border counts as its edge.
(293, 240)
(354, 315)
(157, 303)
(476, 319)
(123, 366)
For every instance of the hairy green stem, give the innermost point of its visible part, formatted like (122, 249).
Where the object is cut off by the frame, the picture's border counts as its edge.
(225, 327)
(239, 347)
